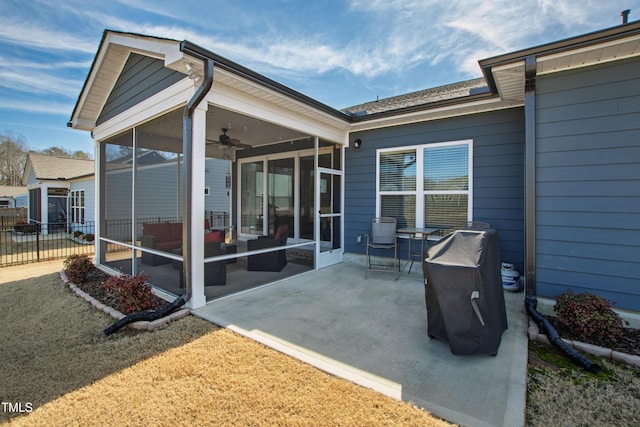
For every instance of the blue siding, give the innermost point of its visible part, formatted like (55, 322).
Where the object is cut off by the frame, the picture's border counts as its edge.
(498, 173)
(588, 182)
(140, 78)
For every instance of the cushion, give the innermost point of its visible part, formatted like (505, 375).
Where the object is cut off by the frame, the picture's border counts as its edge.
(214, 236)
(176, 230)
(160, 231)
(282, 233)
(168, 245)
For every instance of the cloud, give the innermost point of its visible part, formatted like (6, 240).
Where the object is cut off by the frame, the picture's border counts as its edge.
(38, 37)
(35, 106)
(30, 80)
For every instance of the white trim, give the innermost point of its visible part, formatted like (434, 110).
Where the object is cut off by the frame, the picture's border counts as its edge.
(419, 192)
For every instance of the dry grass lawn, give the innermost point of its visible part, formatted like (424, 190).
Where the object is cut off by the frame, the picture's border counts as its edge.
(55, 358)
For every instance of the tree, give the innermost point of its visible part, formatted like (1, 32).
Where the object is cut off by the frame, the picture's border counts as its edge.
(59, 151)
(13, 157)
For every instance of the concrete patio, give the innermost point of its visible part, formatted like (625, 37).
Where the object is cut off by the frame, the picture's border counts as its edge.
(373, 332)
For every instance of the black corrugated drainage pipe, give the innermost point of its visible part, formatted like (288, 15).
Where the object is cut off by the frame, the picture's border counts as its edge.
(546, 326)
(149, 315)
(187, 152)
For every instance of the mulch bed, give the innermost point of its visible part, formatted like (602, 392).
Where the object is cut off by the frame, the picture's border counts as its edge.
(629, 344)
(94, 286)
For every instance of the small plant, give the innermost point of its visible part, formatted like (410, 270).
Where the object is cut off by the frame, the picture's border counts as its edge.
(24, 227)
(77, 233)
(133, 293)
(78, 268)
(589, 317)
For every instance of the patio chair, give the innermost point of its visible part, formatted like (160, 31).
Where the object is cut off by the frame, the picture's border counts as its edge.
(383, 237)
(270, 261)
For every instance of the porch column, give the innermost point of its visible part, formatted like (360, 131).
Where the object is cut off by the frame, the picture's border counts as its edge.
(44, 207)
(198, 298)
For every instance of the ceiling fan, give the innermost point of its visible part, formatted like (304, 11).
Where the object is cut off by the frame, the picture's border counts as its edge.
(226, 140)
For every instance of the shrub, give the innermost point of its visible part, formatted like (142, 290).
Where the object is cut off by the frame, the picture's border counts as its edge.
(26, 228)
(133, 293)
(589, 317)
(78, 268)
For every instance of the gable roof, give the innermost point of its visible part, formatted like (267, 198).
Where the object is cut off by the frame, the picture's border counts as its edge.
(58, 168)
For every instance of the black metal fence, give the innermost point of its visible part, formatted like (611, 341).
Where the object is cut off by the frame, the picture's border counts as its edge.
(22, 242)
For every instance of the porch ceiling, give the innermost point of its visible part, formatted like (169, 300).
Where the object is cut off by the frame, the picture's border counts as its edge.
(247, 129)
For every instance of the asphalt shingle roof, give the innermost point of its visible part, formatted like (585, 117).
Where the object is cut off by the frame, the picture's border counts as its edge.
(422, 97)
(10, 191)
(55, 167)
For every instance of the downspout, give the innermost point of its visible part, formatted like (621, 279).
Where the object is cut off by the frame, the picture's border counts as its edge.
(187, 143)
(530, 174)
(530, 221)
(187, 152)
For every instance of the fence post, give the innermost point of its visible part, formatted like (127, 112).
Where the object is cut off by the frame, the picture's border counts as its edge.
(38, 246)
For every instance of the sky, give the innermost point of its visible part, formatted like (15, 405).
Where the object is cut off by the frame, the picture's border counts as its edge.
(341, 53)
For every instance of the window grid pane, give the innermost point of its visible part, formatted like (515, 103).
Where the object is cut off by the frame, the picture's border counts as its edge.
(446, 209)
(398, 171)
(446, 168)
(400, 207)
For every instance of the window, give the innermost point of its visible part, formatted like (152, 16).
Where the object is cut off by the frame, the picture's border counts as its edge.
(77, 206)
(426, 185)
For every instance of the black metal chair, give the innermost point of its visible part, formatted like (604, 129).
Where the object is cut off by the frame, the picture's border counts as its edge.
(383, 237)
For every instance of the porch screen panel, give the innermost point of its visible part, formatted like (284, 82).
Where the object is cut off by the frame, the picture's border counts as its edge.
(397, 186)
(251, 181)
(281, 200)
(159, 180)
(307, 197)
(118, 188)
(446, 184)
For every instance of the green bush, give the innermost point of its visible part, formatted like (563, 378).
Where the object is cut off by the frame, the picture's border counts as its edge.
(133, 293)
(589, 317)
(78, 267)
(26, 228)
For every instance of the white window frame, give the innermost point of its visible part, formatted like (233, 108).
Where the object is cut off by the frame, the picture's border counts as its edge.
(419, 192)
(78, 212)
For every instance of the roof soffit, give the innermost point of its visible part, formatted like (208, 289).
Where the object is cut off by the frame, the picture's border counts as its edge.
(506, 72)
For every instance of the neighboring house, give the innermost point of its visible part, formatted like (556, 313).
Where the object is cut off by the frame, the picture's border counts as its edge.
(61, 191)
(12, 197)
(545, 148)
